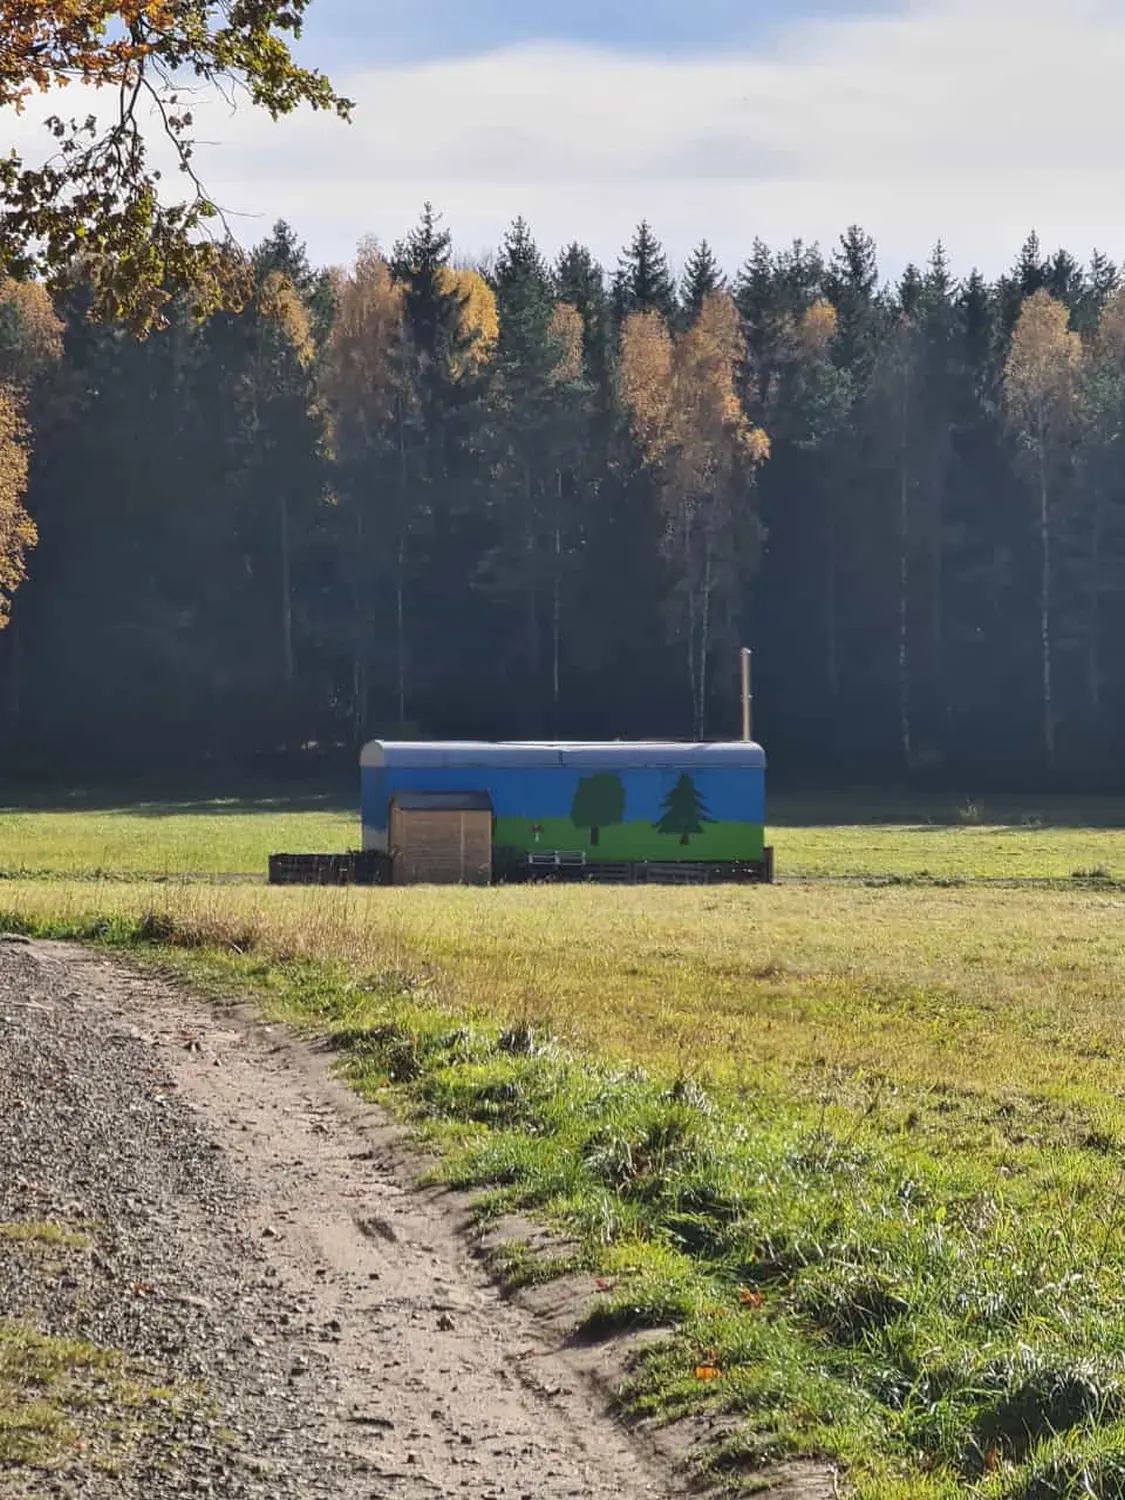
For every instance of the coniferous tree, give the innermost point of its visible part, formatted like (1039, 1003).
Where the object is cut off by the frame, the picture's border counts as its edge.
(538, 401)
(427, 497)
(643, 282)
(702, 278)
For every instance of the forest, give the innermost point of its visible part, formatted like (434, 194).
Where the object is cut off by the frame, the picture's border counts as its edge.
(527, 498)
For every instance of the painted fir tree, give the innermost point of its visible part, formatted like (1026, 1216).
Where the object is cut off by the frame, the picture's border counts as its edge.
(685, 812)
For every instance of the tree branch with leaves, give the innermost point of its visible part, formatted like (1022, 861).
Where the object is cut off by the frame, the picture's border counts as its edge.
(95, 202)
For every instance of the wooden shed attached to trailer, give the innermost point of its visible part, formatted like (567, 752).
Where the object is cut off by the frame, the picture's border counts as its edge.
(441, 837)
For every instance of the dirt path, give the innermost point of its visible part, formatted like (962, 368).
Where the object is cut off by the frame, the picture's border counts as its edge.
(248, 1235)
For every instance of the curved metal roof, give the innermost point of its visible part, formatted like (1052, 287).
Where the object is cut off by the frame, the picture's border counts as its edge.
(734, 754)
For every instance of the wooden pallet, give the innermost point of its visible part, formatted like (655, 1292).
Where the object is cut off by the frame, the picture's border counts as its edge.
(358, 867)
(639, 872)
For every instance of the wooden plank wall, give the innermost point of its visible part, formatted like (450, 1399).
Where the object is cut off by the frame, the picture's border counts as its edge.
(441, 848)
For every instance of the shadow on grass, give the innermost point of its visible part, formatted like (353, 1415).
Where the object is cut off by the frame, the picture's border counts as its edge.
(940, 812)
(147, 801)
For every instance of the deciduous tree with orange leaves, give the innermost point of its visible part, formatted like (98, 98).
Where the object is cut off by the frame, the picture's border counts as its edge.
(1041, 388)
(17, 529)
(369, 385)
(30, 343)
(694, 434)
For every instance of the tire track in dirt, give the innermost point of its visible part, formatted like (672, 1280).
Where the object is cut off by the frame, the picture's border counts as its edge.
(393, 1365)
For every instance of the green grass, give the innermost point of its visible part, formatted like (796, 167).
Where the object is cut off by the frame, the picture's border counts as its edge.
(65, 1400)
(158, 839)
(862, 1147)
(53, 1236)
(947, 837)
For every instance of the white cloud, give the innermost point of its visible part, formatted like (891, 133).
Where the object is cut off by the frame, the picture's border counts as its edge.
(973, 120)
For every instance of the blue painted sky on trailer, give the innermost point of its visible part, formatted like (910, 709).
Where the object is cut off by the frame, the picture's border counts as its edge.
(404, 31)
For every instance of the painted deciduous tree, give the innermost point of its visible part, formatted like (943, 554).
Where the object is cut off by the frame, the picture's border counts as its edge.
(1041, 384)
(692, 430)
(599, 802)
(97, 198)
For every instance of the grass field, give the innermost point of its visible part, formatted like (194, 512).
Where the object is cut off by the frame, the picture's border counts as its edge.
(943, 838)
(862, 1146)
(206, 837)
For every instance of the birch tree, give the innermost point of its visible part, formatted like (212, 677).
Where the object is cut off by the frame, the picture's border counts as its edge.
(1041, 382)
(692, 431)
(368, 384)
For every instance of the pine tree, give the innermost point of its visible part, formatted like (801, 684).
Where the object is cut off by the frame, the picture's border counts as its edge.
(282, 251)
(1101, 563)
(580, 283)
(537, 401)
(853, 283)
(910, 290)
(1099, 284)
(521, 272)
(433, 311)
(703, 277)
(643, 282)
(1028, 276)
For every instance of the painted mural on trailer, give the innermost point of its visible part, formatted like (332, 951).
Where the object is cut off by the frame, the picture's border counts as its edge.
(609, 803)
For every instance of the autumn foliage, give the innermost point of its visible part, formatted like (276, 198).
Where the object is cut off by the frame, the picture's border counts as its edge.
(96, 201)
(17, 530)
(681, 395)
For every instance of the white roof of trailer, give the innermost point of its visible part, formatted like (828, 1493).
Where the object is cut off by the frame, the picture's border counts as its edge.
(453, 754)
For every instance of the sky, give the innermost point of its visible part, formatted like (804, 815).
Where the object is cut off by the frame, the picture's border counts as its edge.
(972, 121)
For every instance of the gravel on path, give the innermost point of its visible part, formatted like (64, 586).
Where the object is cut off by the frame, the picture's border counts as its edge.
(190, 1188)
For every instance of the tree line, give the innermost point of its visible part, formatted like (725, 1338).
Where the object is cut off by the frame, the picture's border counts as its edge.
(529, 499)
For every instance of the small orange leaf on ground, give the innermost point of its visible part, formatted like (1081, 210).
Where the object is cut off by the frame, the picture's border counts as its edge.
(707, 1372)
(749, 1298)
